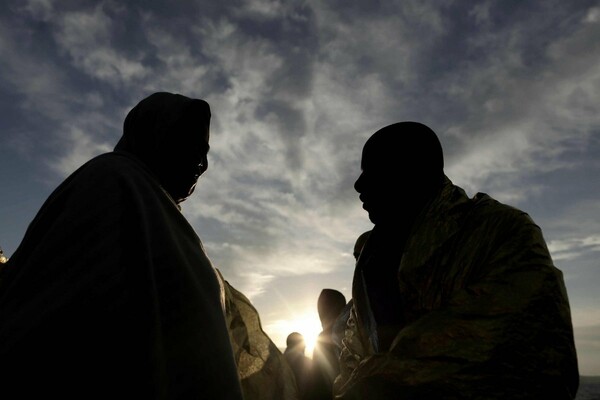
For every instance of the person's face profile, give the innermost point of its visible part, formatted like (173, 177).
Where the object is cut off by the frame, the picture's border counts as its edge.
(380, 185)
(188, 162)
(200, 160)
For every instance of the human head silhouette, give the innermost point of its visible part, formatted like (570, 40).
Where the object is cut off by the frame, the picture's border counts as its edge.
(329, 305)
(170, 134)
(295, 343)
(402, 168)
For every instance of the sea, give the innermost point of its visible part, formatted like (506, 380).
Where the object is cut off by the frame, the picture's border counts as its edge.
(589, 388)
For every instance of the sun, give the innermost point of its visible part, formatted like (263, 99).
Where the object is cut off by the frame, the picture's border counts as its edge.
(307, 324)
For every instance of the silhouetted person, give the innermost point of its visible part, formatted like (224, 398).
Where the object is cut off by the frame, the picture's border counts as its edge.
(453, 298)
(264, 372)
(339, 325)
(301, 365)
(110, 294)
(326, 353)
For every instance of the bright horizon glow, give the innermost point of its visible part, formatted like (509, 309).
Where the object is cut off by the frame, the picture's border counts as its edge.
(307, 324)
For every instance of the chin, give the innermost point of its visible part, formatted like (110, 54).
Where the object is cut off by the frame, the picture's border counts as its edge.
(189, 193)
(183, 194)
(179, 197)
(372, 216)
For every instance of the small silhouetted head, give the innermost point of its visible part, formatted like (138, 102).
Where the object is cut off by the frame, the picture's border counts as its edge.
(329, 305)
(295, 343)
(402, 168)
(169, 133)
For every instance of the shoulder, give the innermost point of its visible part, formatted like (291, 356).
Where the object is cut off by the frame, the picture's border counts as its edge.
(108, 182)
(489, 211)
(111, 173)
(505, 229)
(111, 165)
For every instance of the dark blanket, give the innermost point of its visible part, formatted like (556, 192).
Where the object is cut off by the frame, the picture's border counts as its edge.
(111, 295)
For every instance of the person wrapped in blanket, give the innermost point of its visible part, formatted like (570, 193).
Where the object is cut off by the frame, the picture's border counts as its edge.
(453, 297)
(265, 372)
(110, 293)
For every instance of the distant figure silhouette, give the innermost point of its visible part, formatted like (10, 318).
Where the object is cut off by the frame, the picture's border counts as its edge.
(110, 294)
(296, 358)
(453, 298)
(325, 355)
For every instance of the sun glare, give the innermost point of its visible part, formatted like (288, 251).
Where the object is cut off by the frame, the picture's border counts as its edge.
(307, 324)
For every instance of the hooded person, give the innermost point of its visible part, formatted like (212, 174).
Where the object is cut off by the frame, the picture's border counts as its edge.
(330, 305)
(110, 293)
(453, 297)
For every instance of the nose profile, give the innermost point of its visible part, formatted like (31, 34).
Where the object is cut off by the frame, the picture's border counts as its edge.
(358, 183)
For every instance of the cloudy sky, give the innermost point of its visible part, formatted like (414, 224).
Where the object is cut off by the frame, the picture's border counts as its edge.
(296, 87)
